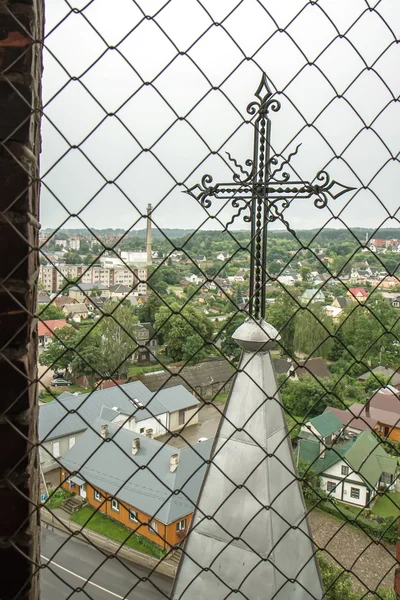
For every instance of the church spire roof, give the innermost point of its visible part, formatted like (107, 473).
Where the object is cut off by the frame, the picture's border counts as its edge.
(250, 531)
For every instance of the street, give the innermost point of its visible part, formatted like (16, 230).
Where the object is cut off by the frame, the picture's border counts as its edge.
(77, 570)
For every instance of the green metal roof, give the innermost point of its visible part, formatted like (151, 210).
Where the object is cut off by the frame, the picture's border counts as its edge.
(364, 455)
(326, 423)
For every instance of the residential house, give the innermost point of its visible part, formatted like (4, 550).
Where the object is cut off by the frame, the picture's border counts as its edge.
(381, 411)
(205, 379)
(202, 298)
(46, 330)
(132, 403)
(79, 293)
(286, 279)
(76, 312)
(147, 343)
(43, 298)
(311, 296)
(200, 258)
(333, 312)
(326, 428)
(315, 367)
(119, 291)
(393, 377)
(352, 423)
(341, 302)
(352, 471)
(192, 278)
(389, 281)
(392, 298)
(357, 293)
(148, 486)
(61, 301)
(222, 256)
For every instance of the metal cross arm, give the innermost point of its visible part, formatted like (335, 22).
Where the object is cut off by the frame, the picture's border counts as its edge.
(264, 192)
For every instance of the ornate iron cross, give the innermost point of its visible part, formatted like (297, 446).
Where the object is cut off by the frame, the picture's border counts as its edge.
(265, 192)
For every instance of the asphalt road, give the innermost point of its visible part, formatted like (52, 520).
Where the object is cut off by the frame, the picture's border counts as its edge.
(77, 570)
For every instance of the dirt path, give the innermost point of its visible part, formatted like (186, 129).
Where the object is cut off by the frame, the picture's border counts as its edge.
(370, 562)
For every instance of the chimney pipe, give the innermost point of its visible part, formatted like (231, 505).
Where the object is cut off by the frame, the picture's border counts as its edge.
(173, 462)
(367, 412)
(135, 446)
(148, 236)
(104, 431)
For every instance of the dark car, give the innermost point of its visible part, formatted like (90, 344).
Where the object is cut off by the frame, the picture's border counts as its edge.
(60, 382)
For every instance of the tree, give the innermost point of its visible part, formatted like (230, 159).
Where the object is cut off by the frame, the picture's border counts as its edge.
(305, 272)
(274, 267)
(48, 312)
(229, 347)
(89, 361)
(310, 482)
(281, 315)
(312, 332)
(147, 311)
(308, 396)
(60, 352)
(375, 381)
(118, 339)
(186, 332)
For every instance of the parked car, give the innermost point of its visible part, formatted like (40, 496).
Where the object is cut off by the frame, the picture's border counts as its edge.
(60, 382)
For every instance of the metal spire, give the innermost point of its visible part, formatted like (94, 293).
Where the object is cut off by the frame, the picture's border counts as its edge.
(249, 532)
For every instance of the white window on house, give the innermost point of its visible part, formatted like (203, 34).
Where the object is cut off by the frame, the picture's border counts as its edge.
(153, 526)
(133, 516)
(355, 493)
(71, 442)
(56, 449)
(386, 478)
(115, 505)
(330, 486)
(97, 496)
(345, 470)
(181, 525)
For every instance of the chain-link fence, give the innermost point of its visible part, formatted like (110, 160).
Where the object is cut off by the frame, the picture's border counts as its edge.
(218, 370)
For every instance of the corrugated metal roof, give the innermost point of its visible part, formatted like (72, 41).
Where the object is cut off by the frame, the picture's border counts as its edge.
(112, 468)
(326, 423)
(57, 420)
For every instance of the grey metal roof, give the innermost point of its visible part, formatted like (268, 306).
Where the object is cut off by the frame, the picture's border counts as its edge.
(86, 287)
(56, 420)
(112, 468)
(212, 371)
(257, 539)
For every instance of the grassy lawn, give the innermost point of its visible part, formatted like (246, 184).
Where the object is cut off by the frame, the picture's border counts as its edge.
(387, 505)
(221, 397)
(144, 368)
(114, 531)
(57, 498)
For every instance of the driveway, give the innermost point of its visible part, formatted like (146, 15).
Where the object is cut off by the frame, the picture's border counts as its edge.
(209, 418)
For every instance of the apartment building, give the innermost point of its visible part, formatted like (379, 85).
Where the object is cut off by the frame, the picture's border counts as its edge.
(53, 276)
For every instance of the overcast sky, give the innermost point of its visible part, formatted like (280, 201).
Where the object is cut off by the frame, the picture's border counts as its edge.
(180, 120)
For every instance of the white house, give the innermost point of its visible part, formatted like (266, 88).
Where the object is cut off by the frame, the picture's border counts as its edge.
(352, 471)
(192, 278)
(132, 405)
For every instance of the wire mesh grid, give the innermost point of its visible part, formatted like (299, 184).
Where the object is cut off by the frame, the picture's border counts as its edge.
(143, 289)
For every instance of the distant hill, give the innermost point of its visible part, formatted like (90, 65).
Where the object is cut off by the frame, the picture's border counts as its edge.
(325, 235)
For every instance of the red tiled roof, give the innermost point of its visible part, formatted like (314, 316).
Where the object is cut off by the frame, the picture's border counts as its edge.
(358, 290)
(48, 327)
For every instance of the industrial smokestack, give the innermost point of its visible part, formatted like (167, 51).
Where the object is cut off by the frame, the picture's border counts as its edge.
(148, 237)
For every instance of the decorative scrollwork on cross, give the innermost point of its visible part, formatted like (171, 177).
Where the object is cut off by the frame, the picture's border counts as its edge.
(261, 195)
